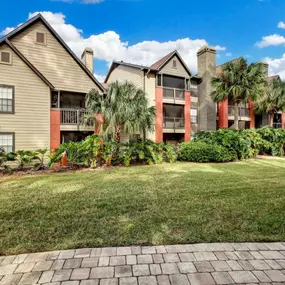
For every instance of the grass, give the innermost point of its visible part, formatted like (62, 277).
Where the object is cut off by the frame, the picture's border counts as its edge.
(160, 204)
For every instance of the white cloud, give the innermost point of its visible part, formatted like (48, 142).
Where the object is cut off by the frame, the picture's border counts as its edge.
(6, 31)
(276, 66)
(108, 46)
(229, 54)
(272, 40)
(100, 77)
(281, 25)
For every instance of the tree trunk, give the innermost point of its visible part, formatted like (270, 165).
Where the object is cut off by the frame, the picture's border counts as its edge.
(144, 134)
(236, 115)
(117, 134)
(270, 120)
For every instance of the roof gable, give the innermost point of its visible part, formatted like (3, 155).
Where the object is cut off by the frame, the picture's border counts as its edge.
(22, 57)
(163, 62)
(40, 18)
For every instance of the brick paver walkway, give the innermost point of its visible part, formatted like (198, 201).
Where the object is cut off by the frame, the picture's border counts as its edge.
(193, 264)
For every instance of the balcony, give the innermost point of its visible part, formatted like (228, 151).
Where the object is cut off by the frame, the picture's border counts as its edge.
(277, 125)
(74, 119)
(243, 111)
(174, 123)
(173, 95)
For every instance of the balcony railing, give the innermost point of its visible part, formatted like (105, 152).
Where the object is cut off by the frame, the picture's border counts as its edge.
(72, 116)
(173, 94)
(173, 123)
(277, 125)
(243, 112)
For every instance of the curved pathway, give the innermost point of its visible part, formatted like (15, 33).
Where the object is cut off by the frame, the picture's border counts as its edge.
(192, 264)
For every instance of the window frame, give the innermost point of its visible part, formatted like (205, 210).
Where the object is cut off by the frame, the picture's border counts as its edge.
(196, 122)
(45, 39)
(13, 99)
(4, 62)
(13, 138)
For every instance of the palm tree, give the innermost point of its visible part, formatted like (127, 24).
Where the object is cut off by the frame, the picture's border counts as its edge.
(239, 82)
(124, 109)
(273, 100)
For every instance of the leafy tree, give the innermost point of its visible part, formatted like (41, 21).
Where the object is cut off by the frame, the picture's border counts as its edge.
(273, 100)
(239, 82)
(124, 109)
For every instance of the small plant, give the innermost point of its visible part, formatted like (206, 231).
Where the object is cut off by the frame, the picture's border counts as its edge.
(23, 158)
(40, 156)
(4, 158)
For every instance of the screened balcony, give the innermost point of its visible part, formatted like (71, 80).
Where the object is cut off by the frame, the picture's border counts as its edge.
(173, 118)
(243, 111)
(173, 88)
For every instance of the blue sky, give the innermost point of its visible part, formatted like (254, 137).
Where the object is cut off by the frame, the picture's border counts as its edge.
(142, 31)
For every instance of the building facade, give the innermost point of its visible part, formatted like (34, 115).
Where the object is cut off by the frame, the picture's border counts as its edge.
(42, 88)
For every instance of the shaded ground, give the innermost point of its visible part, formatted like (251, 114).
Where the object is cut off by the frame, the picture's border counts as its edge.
(160, 204)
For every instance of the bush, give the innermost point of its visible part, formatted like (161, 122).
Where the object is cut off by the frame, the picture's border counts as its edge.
(274, 140)
(80, 154)
(204, 152)
(233, 140)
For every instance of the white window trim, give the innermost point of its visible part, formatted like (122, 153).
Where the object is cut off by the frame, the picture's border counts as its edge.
(4, 62)
(45, 40)
(13, 138)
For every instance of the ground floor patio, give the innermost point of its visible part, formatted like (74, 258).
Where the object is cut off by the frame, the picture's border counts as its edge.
(189, 264)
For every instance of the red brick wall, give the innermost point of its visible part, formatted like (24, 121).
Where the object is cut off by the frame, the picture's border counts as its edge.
(223, 114)
(251, 114)
(283, 120)
(187, 136)
(159, 115)
(54, 129)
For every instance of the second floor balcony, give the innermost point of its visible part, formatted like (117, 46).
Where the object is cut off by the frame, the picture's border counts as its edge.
(243, 111)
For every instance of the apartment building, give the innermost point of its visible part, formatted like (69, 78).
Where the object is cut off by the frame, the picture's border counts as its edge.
(182, 100)
(42, 88)
(171, 88)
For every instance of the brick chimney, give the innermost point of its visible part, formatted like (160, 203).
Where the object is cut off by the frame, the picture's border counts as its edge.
(207, 70)
(87, 58)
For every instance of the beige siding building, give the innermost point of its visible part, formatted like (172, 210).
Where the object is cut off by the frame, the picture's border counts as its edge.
(42, 88)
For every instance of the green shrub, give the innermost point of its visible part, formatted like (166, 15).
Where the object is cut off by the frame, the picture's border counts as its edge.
(80, 154)
(204, 152)
(274, 140)
(170, 153)
(228, 138)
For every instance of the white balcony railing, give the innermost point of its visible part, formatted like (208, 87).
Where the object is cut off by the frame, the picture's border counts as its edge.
(72, 116)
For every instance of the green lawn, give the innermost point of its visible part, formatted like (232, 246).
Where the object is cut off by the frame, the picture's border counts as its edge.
(160, 204)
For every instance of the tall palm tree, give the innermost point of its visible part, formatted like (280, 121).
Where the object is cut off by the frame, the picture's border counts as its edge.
(273, 100)
(124, 109)
(239, 82)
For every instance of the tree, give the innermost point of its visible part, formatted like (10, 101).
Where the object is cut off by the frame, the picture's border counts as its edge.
(239, 82)
(273, 100)
(124, 109)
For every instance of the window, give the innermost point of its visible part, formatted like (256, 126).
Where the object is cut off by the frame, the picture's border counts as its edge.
(173, 82)
(174, 62)
(7, 141)
(194, 116)
(5, 57)
(6, 99)
(41, 38)
(159, 80)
